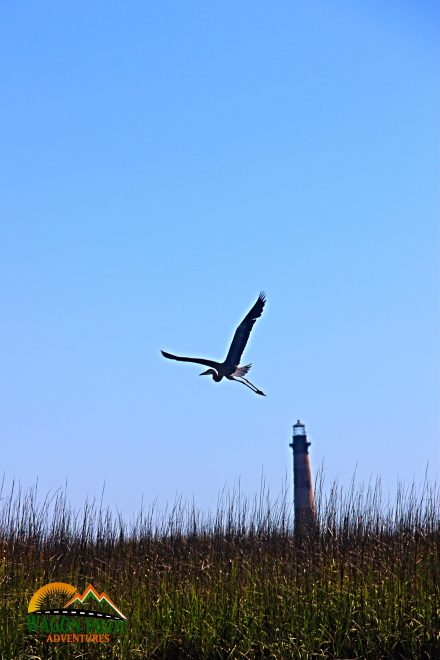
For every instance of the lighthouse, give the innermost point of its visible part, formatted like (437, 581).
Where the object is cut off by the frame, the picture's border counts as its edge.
(305, 518)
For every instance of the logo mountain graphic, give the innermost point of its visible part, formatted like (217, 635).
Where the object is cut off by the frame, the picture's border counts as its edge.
(90, 595)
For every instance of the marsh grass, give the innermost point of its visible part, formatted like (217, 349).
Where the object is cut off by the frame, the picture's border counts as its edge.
(234, 583)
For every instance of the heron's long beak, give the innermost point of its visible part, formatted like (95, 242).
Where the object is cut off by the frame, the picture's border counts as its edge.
(204, 373)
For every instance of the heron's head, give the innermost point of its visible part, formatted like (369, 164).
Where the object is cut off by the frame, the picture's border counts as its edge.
(209, 372)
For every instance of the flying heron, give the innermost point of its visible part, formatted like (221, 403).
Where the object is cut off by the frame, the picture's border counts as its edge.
(230, 368)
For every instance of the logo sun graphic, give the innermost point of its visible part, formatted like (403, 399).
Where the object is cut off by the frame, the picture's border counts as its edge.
(62, 588)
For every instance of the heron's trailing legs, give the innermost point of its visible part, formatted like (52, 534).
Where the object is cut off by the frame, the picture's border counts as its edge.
(251, 386)
(256, 388)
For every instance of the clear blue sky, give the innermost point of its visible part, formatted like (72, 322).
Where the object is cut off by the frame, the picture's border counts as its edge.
(161, 162)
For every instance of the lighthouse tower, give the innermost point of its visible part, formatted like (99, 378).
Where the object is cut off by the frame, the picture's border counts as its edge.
(305, 519)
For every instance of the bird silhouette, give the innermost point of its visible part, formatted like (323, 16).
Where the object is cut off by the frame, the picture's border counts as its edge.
(230, 368)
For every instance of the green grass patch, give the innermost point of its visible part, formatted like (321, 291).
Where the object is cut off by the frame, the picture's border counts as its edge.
(236, 583)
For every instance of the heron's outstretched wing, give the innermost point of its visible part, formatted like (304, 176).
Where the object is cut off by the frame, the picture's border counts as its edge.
(207, 363)
(242, 333)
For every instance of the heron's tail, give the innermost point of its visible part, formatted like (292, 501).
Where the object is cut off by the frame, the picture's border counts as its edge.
(242, 371)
